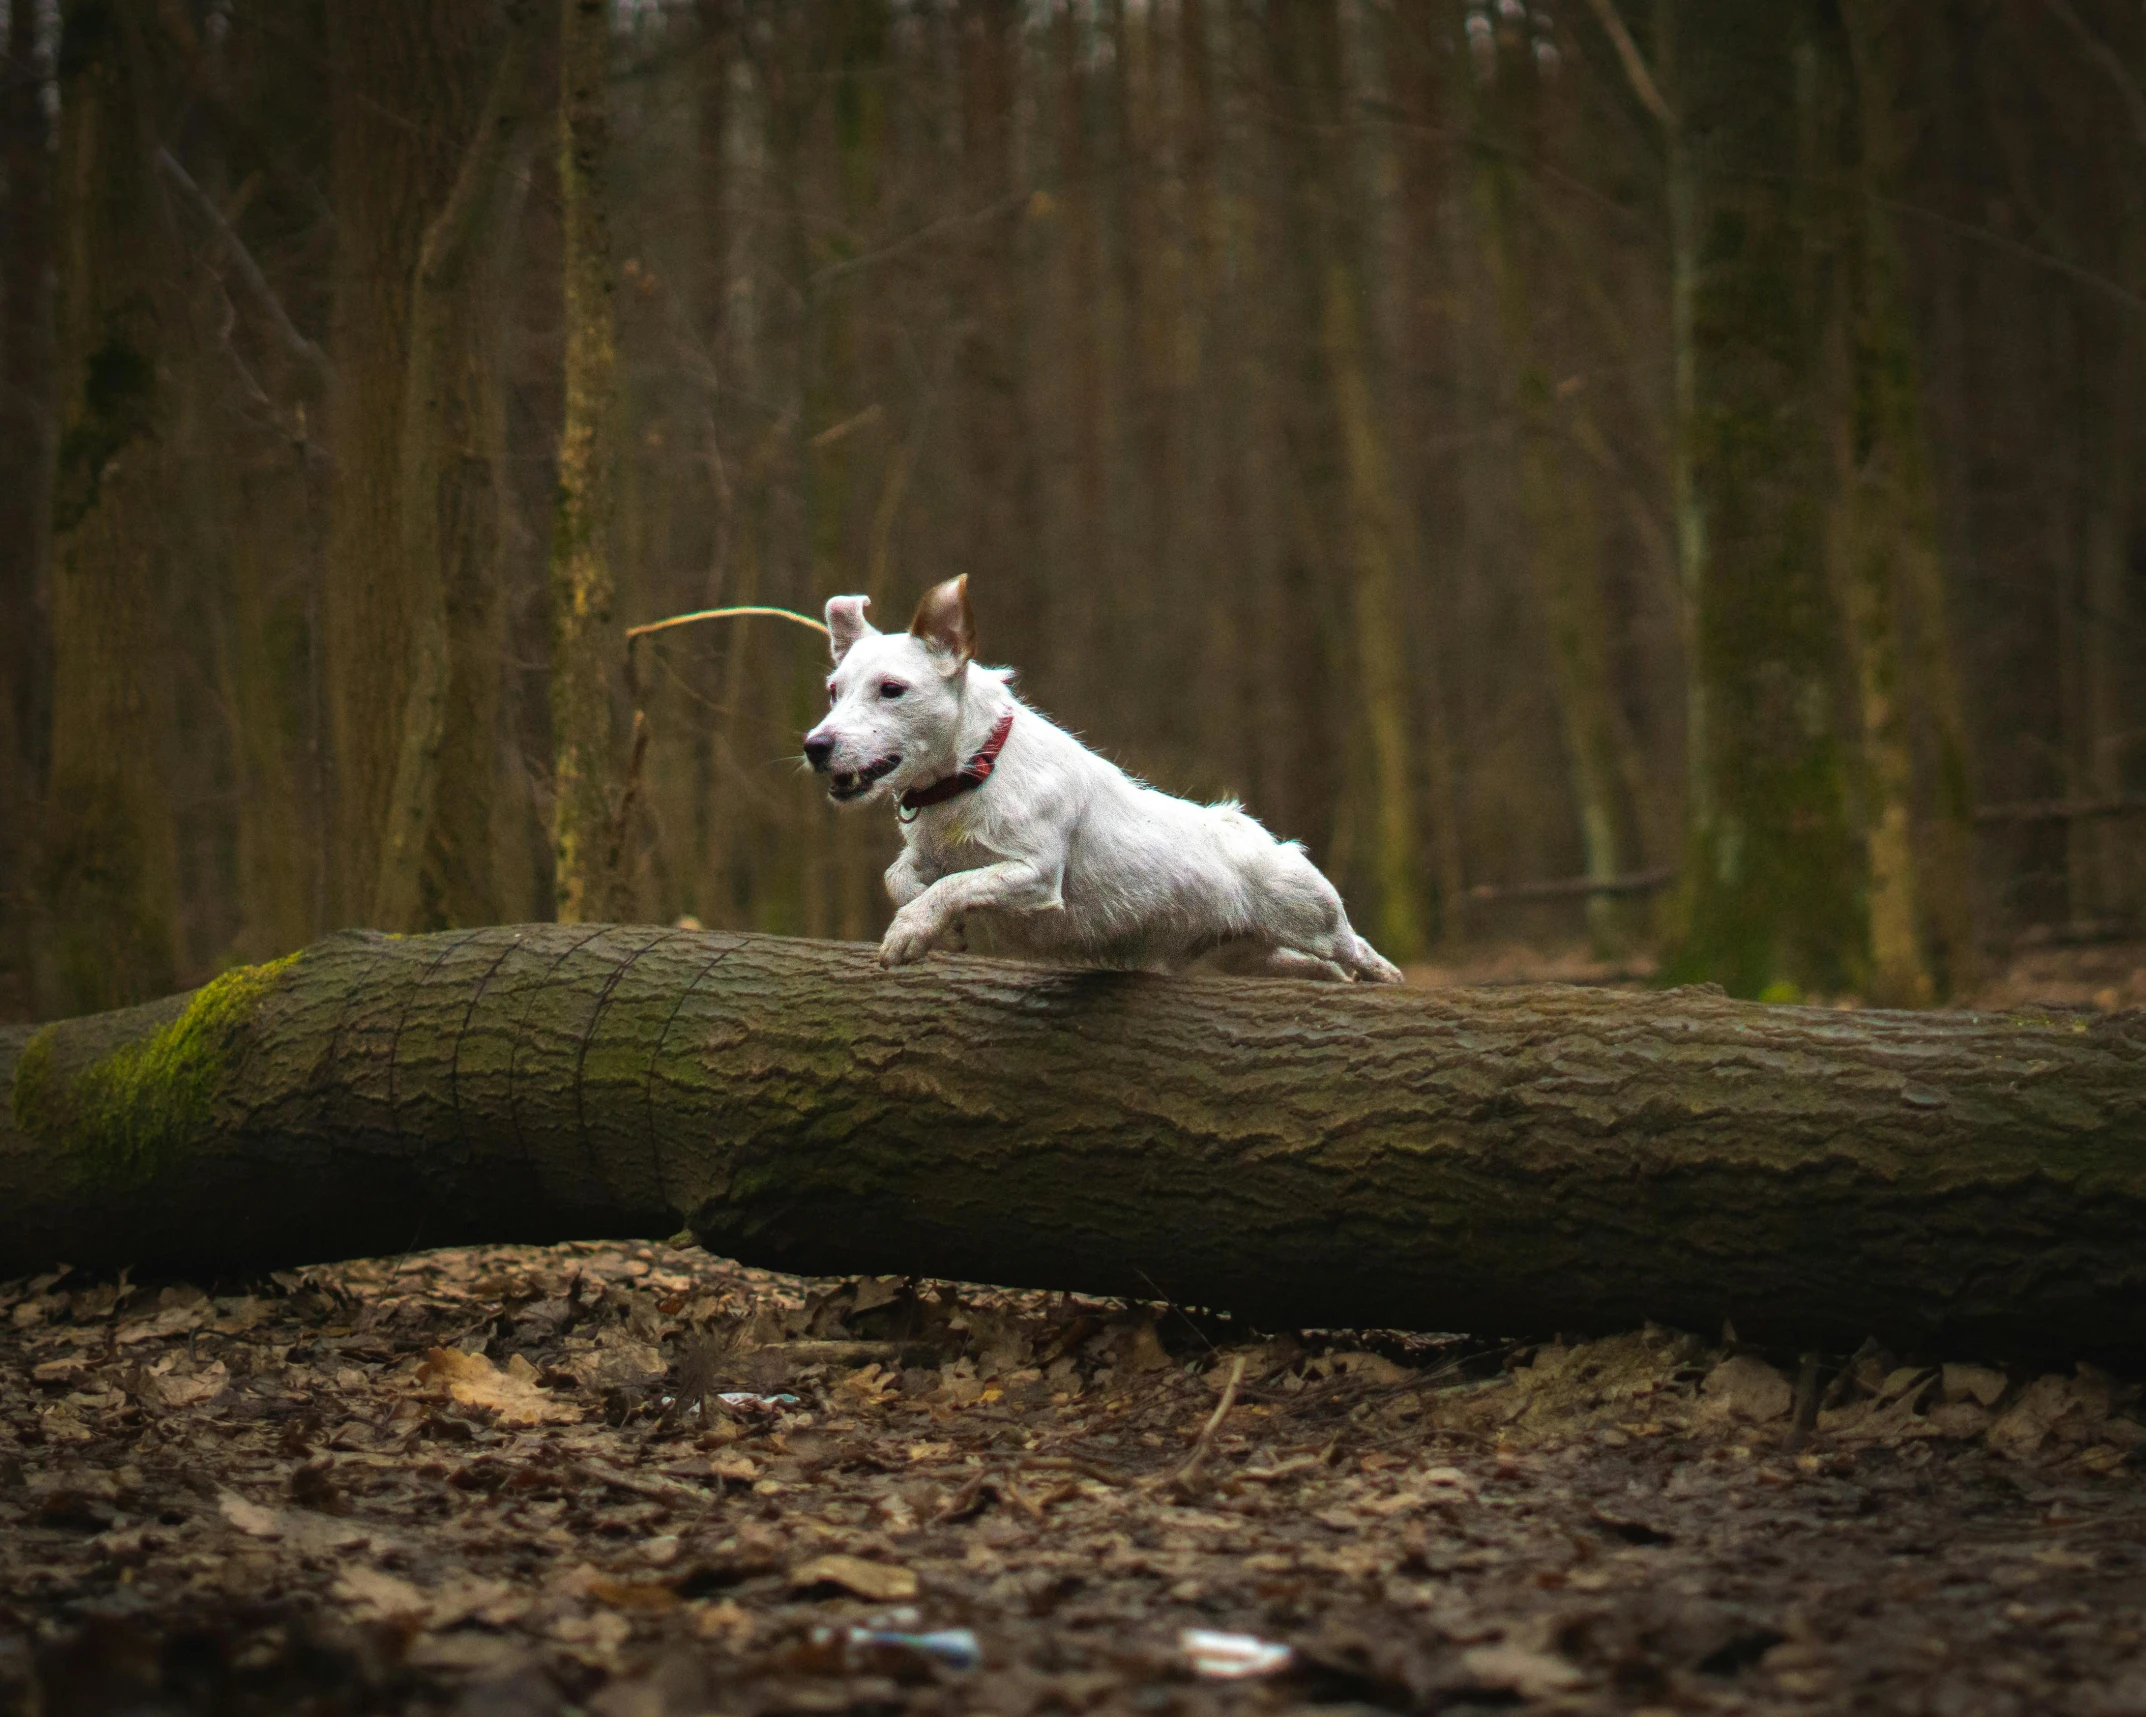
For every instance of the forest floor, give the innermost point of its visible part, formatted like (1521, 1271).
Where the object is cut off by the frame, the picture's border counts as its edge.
(2045, 969)
(506, 1481)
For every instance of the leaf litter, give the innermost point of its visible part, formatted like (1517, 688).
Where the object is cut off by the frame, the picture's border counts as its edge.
(634, 1480)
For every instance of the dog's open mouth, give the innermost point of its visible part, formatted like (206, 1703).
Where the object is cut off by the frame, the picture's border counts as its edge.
(849, 784)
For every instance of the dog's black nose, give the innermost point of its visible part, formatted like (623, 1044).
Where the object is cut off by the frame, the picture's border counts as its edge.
(818, 751)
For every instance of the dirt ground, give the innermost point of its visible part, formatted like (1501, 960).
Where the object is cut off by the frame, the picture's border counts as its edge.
(505, 1481)
(2046, 968)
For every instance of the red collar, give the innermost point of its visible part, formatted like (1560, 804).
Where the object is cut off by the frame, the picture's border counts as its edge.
(967, 778)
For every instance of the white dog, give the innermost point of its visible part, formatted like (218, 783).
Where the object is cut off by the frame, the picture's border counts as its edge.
(1018, 840)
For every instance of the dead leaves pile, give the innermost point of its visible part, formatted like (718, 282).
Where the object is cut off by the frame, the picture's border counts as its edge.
(635, 1481)
(1655, 1384)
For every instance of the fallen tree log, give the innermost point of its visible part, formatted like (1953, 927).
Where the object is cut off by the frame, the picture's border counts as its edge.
(1518, 1160)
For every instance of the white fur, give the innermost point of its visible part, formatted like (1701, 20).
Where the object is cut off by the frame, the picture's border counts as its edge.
(1060, 856)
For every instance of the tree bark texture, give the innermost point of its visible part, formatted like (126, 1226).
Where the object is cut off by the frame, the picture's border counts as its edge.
(410, 80)
(1557, 495)
(584, 644)
(1420, 45)
(1509, 1160)
(1772, 902)
(1917, 833)
(438, 867)
(107, 894)
(1348, 456)
(25, 468)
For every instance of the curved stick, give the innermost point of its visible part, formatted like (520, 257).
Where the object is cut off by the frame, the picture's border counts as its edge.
(633, 632)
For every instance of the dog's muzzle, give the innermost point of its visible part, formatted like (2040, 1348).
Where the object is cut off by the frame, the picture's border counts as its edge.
(848, 784)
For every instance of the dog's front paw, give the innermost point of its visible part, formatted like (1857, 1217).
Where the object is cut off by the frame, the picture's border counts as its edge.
(908, 939)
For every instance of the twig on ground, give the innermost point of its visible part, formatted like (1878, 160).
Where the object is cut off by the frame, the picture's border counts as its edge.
(1066, 1464)
(1190, 1471)
(964, 1502)
(1806, 1419)
(657, 1489)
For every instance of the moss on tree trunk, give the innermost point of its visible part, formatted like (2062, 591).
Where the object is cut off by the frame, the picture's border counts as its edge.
(1510, 1160)
(1773, 899)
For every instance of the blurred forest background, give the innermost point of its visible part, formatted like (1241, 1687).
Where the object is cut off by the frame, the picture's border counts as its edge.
(1658, 472)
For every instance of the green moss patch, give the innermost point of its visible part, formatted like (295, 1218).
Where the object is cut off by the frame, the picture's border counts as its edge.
(124, 1117)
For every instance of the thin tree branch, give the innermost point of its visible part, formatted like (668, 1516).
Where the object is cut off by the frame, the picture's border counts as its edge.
(2101, 283)
(249, 272)
(922, 235)
(1635, 67)
(2109, 60)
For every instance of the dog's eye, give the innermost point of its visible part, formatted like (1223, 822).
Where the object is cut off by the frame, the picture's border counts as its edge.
(830, 691)
(891, 688)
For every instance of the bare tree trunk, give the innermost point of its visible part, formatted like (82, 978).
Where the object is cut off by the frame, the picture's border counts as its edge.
(1378, 532)
(1880, 516)
(1921, 923)
(1557, 495)
(1381, 538)
(1418, 44)
(584, 643)
(109, 888)
(25, 475)
(992, 372)
(1088, 545)
(439, 866)
(2113, 715)
(264, 682)
(406, 94)
(1502, 1161)
(1148, 450)
(1771, 900)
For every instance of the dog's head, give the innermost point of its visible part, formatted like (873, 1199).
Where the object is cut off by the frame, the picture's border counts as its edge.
(895, 696)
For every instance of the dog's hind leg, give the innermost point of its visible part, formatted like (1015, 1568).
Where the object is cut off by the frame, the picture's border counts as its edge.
(1301, 914)
(1364, 962)
(1245, 957)
(1295, 963)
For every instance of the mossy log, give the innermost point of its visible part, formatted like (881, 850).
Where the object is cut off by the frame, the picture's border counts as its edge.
(1515, 1160)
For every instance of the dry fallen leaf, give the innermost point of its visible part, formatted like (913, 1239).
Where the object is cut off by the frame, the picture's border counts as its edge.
(1511, 1668)
(374, 1596)
(472, 1380)
(2044, 1405)
(249, 1517)
(1747, 1389)
(599, 1635)
(1983, 1384)
(190, 1391)
(465, 1597)
(1370, 1367)
(883, 1582)
(633, 1594)
(726, 1620)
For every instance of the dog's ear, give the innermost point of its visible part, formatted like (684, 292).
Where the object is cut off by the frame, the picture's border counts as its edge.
(945, 621)
(846, 622)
